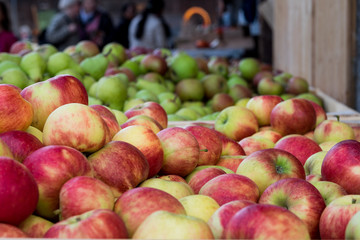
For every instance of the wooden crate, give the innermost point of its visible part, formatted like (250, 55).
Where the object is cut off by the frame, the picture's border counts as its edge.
(315, 39)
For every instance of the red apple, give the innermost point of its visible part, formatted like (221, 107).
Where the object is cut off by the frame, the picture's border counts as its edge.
(231, 162)
(269, 134)
(76, 125)
(135, 205)
(154, 63)
(265, 167)
(341, 164)
(16, 113)
(221, 101)
(337, 215)
(51, 167)
(293, 116)
(5, 150)
(320, 113)
(19, 192)
(35, 226)
(333, 130)
(314, 178)
(265, 221)
(209, 143)
(227, 122)
(21, 144)
(299, 146)
(147, 142)
(173, 177)
(238, 92)
(255, 143)
(10, 231)
(19, 46)
(262, 106)
(130, 74)
(229, 146)
(120, 165)
(299, 197)
(329, 190)
(297, 85)
(109, 118)
(151, 109)
(81, 194)
(143, 120)
(229, 187)
(201, 177)
(223, 215)
(181, 151)
(99, 223)
(63, 89)
(87, 48)
(260, 75)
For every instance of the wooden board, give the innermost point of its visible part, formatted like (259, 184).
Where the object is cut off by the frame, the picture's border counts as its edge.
(315, 39)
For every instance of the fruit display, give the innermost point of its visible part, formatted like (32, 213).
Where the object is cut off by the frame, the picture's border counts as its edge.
(91, 146)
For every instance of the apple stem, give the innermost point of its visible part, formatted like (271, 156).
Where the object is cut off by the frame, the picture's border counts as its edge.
(353, 201)
(337, 118)
(203, 150)
(108, 53)
(57, 211)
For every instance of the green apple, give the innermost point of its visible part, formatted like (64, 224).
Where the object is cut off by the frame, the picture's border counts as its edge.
(199, 206)
(112, 91)
(249, 67)
(312, 97)
(94, 101)
(147, 96)
(176, 189)
(236, 80)
(14, 76)
(182, 66)
(188, 113)
(6, 65)
(132, 103)
(190, 89)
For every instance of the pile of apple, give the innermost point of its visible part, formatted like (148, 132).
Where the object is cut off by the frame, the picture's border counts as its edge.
(273, 168)
(187, 88)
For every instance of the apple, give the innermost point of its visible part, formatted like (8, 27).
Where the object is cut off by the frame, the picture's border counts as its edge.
(16, 184)
(269, 134)
(143, 120)
(51, 167)
(120, 116)
(120, 165)
(230, 187)
(111, 90)
(262, 106)
(329, 190)
(213, 84)
(172, 177)
(151, 109)
(267, 86)
(209, 141)
(87, 48)
(76, 125)
(297, 85)
(202, 64)
(299, 197)
(182, 66)
(181, 151)
(20, 144)
(218, 65)
(199, 206)
(135, 205)
(236, 80)
(10, 231)
(265, 221)
(249, 67)
(109, 118)
(35, 227)
(115, 53)
(190, 89)
(260, 75)
(175, 189)
(128, 72)
(19, 46)
(5, 150)
(221, 101)
(333, 130)
(229, 146)
(336, 216)
(326, 146)
(198, 179)
(63, 89)
(223, 215)
(340, 165)
(81, 194)
(255, 143)
(16, 113)
(320, 113)
(231, 162)
(99, 223)
(154, 63)
(356, 130)
(268, 166)
(314, 178)
(314, 162)
(293, 116)
(352, 228)
(227, 122)
(147, 142)
(166, 225)
(299, 146)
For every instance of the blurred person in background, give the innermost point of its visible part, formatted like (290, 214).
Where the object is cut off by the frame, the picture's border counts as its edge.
(7, 38)
(128, 12)
(149, 29)
(96, 23)
(65, 29)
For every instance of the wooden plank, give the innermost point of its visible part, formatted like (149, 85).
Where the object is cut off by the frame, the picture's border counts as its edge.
(293, 37)
(333, 49)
